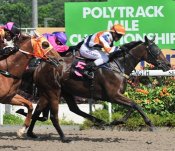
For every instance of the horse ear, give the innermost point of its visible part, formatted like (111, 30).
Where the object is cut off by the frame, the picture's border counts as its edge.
(153, 38)
(146, 39)
(36, 34)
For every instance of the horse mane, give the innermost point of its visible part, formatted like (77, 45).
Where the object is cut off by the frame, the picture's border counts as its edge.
(126, 48)
(23, 37)
(131, 45)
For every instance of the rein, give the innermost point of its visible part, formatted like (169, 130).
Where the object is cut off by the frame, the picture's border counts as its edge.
(8, 74)
(32, 54)
(121, 72)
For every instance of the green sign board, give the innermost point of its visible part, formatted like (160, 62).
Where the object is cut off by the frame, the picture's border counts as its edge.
(139, 17)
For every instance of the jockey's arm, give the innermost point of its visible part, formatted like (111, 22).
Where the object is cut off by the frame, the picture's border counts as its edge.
(105, 41)
(6, 51)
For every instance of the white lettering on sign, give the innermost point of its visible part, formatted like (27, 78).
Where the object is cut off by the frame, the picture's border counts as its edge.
(76, 38)
(123, 12)
(132, 25)
(164, 38)
(97, 12)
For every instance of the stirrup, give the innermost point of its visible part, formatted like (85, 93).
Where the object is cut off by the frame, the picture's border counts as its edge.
(89, 75)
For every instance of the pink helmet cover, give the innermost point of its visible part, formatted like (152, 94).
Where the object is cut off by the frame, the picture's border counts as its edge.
(9, 25)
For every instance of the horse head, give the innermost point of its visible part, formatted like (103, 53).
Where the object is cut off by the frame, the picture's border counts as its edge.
(155, 55)
(148, 51)
(41, 48)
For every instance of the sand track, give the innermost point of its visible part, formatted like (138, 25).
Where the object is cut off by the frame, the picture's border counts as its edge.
(88, 140)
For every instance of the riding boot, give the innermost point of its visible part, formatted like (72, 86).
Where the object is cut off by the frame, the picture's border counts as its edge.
(89, 69)
(90, 66)
(6, 51)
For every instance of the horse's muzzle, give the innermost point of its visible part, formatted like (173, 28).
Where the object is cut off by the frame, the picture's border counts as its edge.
(164, 66)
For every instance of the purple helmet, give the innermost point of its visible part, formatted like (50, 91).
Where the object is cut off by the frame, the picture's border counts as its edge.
(61, 36)
(10, 26)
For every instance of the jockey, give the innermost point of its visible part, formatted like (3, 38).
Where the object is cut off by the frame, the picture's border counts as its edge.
(58, 41)
(8, 33)
(100, 44)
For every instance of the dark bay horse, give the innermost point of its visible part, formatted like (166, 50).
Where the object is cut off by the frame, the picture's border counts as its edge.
(12, 68)
(109, 84)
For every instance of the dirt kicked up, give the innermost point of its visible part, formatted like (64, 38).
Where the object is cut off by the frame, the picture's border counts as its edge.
(88, 140)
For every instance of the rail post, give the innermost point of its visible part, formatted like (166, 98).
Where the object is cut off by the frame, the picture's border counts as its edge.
(2, 108)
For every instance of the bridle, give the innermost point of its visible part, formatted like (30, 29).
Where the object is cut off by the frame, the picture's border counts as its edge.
(153, 52)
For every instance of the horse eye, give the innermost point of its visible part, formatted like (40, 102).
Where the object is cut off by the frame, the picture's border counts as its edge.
(45, 44)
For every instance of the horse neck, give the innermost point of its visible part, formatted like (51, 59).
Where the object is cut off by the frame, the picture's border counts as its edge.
(131, 59)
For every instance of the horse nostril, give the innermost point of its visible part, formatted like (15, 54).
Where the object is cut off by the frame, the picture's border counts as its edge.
(169, 65)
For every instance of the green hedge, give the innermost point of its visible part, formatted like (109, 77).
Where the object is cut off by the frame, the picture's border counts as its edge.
(10, 119)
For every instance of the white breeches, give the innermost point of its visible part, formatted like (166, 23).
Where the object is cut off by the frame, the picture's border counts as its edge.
(100, 57)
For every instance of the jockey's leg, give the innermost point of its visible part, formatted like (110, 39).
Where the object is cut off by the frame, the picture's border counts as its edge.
(99, 56)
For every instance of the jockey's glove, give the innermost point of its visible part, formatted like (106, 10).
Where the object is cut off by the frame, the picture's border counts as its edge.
(6, 50)
(72, 48)
(9, 50)
(125, 49)
(117, 49)
(15, 49)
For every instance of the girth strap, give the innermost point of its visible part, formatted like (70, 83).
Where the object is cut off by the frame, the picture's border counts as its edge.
(92, 91)
(8, 75)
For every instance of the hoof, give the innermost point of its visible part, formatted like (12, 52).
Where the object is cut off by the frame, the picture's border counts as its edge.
(32, 135)
(65, 140)
(42, 119)
(152, 129)
(117, 122)
(21, 132)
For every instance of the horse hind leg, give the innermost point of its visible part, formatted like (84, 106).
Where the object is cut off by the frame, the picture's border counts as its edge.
(75, 109)
(54, 118)
(19, 100)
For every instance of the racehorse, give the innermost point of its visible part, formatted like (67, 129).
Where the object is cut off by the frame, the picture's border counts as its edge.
(12, 68)
(108, 84)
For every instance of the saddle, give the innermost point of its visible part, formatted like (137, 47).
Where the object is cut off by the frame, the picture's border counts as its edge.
(84, 68)
(81, 68)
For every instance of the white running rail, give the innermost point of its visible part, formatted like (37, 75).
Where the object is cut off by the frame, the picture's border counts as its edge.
(153, 73)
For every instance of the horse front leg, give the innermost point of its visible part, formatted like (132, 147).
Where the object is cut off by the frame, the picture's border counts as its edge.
(120, 99)
(124, 119)
(19, 100)
(54, 102)
(42, 104)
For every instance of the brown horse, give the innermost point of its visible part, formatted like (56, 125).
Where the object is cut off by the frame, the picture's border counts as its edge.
(12, 68)
(108, 84)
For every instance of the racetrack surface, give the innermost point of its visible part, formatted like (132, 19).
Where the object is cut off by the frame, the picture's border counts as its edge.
(88, 140)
